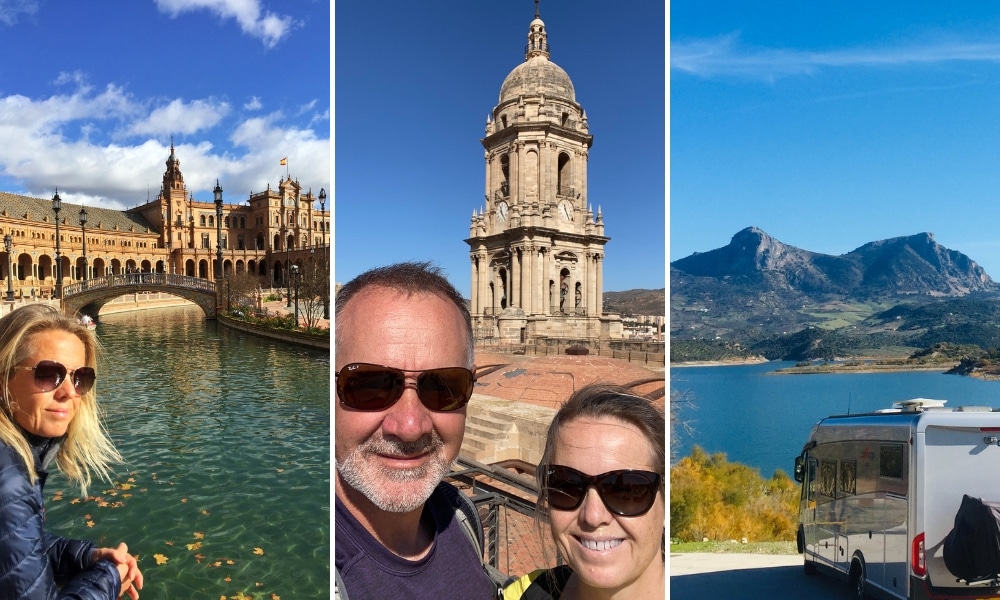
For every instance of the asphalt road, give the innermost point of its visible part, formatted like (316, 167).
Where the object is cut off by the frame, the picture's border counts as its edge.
(695, 576)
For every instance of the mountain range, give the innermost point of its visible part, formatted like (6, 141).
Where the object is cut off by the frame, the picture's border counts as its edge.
(757, 288)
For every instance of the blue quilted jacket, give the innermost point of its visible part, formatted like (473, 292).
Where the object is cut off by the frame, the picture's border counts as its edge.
(34, 564)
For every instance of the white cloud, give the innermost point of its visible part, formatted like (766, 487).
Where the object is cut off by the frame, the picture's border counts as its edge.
(11, 10)
(108, 149)
(725, 57)
(180, 117)
(253, 104)
(253, 20)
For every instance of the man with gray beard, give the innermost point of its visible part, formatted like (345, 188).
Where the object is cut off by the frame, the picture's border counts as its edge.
(404, 369)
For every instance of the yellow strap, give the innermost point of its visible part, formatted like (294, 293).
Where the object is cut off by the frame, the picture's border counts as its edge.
(515, 590)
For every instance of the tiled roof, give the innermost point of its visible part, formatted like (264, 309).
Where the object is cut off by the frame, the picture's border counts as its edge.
(36, 210)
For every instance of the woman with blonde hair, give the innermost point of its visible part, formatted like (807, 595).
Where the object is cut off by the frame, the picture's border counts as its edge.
(601, 481)
(49, 411)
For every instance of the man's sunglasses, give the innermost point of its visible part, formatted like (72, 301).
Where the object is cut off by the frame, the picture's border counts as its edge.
(49, 375)
(625, 492)
(364, 386)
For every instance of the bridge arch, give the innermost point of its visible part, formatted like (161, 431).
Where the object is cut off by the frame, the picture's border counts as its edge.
(89, 296)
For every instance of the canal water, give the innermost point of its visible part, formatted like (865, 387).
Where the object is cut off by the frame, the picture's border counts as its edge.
(762, 419)
(226, 490)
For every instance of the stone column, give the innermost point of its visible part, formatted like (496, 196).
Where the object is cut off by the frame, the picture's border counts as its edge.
(484, 277)
(600, 284)
(515, 172)
(475, 309)
(537, 285)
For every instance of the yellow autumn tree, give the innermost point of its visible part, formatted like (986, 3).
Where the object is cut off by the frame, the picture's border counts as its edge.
(713, 498)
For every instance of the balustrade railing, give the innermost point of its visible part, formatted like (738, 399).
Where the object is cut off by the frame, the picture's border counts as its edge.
(133, 279)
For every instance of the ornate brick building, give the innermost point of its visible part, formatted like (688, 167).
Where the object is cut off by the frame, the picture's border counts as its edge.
(537, 247)
(173, 233)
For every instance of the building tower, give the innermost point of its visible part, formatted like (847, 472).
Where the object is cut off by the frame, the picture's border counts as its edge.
(536, 246)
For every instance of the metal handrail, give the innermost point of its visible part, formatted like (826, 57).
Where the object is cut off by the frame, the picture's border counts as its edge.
(494, 496)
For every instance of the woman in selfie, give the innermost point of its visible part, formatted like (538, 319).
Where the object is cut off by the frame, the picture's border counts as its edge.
(49, 412)
(602, 490)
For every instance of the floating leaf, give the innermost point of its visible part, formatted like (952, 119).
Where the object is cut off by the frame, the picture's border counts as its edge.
(205, 512)
(258, 552)
(184, 500)
(199, 535)
(90, 523)
(199, 557)
(275, 597)
(126, 486)
(229, 580)
(160, 559)
(230, 561)
(194, 546)
(169, 543)
(74, 501)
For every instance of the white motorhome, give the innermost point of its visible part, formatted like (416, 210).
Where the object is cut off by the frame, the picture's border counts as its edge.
(880, 493)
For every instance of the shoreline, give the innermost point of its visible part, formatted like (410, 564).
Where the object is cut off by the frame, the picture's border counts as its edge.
(719, 363)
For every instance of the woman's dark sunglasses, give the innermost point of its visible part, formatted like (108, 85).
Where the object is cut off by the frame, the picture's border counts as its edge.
(49, 375)
(364, 386)
(626, 493)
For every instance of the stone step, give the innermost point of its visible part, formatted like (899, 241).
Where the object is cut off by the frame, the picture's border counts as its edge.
(490, 421)
(476, 446)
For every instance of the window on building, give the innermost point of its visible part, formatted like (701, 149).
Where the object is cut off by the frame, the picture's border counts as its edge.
(240, 244)
(204, 241)
(202, 220)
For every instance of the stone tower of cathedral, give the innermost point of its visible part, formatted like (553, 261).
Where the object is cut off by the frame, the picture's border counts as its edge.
(536, 245)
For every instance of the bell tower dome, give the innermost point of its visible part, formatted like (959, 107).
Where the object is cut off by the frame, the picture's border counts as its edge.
(536, 244)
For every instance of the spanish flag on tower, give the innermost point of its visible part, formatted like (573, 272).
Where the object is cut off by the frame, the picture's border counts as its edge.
(284, 161)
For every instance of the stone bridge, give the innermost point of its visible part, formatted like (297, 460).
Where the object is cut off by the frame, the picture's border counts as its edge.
(89, 296)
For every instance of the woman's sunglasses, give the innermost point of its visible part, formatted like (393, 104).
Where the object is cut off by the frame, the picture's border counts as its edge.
(625, 492)
(49, 375)
(364, 386)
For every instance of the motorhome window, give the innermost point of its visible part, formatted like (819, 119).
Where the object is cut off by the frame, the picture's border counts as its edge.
(849, 477)
(890, 462)
(827, 477)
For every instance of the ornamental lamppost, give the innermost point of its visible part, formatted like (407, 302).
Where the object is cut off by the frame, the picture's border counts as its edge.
(326, 267)
(83, 228)
(218, 230)
(288, 284)
(295, 279)
(8, 243)
(56, 207)
(322, 210)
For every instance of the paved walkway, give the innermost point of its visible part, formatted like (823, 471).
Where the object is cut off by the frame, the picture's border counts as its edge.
(689, 563)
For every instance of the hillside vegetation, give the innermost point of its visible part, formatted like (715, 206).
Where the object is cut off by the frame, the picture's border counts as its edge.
(760, 297)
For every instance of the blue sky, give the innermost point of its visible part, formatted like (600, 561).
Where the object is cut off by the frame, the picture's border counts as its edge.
(91, 94)
(832, 124)
(414, 83)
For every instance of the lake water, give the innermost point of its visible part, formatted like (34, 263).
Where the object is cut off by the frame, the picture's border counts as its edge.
(762, 419)
(227, 438)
